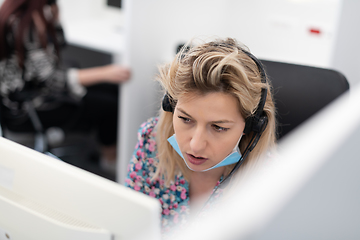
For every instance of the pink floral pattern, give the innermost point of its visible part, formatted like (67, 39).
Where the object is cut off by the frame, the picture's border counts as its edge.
(174, 199)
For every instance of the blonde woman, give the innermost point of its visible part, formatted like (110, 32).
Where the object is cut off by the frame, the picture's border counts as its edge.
(217, 115)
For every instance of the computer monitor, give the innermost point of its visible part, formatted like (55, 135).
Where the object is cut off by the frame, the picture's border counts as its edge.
(45, 198)
(310, 190)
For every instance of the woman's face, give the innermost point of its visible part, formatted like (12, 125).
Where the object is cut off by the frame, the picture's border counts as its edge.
(207, 128)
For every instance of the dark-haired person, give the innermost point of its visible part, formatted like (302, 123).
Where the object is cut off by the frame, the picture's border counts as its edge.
(31, 39)
(217, 115)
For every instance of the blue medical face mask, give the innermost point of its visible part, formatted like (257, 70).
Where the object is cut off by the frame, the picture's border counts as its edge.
(233, 157)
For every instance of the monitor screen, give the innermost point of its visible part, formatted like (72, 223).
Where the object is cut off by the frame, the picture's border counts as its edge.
(45, 198)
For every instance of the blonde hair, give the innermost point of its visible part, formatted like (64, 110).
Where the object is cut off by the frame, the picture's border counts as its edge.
(217, 66)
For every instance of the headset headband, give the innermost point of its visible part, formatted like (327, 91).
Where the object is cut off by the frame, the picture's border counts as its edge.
(255, 123)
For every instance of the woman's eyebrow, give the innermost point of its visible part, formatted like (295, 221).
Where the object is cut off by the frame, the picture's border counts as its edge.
(183, 112)
(216, 122)
(223, 121)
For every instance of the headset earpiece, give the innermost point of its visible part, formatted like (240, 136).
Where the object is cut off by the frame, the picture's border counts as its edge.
(255, 122)
(166, 103)
(248, 125)
(261, 125)
(256, 125)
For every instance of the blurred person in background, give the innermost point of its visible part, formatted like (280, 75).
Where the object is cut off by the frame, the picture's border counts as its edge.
(31, 39)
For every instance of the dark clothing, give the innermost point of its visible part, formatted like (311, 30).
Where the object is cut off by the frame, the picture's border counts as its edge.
(95, 112)
(56, 95)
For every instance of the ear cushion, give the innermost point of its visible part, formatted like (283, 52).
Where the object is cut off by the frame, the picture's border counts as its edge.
(248, 125)
(252, 124)
(166, 103)
(261, 124)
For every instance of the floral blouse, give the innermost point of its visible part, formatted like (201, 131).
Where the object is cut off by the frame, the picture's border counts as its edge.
(174, 199)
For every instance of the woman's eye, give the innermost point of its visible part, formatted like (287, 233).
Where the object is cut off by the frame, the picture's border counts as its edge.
(220, 129)
(184, 119)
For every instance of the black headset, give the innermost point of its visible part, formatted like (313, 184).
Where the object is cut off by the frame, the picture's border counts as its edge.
(255, 124)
